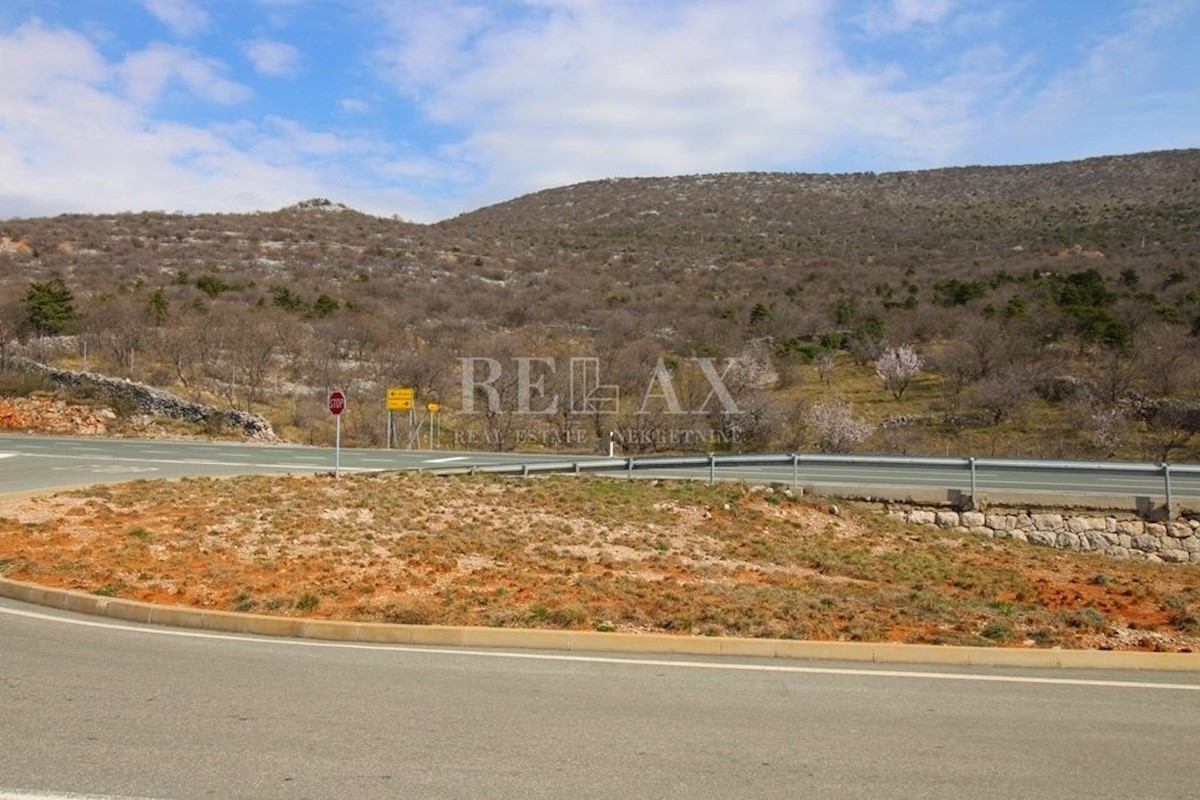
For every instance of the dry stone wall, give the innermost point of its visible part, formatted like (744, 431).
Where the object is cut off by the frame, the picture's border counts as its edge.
(148, 400)
(1174, 541)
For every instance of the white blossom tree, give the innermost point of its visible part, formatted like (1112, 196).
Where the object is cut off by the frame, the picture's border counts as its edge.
(836, 427)
(897, 366)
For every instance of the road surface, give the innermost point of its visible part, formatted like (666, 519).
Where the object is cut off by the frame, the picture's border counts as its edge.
(101, 708)
(36, 462)
(29, 463)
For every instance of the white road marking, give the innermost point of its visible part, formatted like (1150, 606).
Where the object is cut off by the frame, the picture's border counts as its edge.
(205, 462)
(7, 795)
(446, 460)
(630, 662)
(113, 469)
(8, 455)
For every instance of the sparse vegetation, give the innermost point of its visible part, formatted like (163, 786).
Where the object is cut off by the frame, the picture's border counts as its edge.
(585, 554)
(1056, 308)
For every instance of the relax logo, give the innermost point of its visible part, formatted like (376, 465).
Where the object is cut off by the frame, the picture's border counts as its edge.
(586, 394)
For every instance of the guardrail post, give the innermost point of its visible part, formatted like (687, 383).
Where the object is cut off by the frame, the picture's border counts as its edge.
(971, 463)
(795, 471)
(712, 469)
(524, 470)
(629, 467)
(1166, 468)
(576, 467)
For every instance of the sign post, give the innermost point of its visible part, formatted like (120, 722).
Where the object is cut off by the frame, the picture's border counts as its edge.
(337, 404)
(433, 409)
(399, 398)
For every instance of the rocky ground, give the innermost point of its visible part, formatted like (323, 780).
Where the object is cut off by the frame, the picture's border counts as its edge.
(48, 415)
(588, 554)
(44, 413)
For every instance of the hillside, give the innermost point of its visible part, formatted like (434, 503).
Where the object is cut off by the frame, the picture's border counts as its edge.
(949, 210)
(1054, 308)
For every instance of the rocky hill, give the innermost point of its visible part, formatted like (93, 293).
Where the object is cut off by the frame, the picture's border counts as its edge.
(1154, 194)
(1012, 283)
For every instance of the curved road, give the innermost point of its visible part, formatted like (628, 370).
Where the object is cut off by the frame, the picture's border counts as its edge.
(29, 463)
(38, 462)
(96, 707)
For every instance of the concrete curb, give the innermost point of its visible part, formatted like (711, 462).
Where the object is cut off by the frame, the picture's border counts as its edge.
(587, 641)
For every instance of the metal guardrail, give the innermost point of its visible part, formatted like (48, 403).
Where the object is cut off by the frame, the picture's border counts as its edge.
(969, 469)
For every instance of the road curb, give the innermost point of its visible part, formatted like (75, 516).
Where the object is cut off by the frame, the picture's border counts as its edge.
(587, 641)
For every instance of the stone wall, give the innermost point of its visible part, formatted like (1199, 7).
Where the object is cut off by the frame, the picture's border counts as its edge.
(1175, 541)
(148, 400)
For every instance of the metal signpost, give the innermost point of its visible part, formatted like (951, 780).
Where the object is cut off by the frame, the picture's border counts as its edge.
(433, 409)
(399, 398)
(337, 404)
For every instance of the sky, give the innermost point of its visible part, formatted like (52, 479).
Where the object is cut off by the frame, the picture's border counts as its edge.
(425, 109)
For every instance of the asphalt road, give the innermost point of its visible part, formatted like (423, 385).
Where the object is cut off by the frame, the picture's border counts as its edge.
(30, 463)
(37, 462)
(92, 707)
(95, 707)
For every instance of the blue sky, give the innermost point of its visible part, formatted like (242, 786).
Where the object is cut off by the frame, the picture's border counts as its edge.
(428, 108)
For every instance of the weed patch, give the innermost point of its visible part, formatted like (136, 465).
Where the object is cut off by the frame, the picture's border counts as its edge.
(581, 553)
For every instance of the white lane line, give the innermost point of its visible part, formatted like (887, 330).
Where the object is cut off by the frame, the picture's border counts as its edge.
(5, 795)
(8, 455)
(446, 460)
(197, 462)
(630, 662)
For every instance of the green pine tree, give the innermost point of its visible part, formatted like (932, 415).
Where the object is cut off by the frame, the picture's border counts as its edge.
(49, 307)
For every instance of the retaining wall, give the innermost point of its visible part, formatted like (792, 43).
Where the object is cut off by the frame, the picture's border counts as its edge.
(1175, 541)
(148, 400)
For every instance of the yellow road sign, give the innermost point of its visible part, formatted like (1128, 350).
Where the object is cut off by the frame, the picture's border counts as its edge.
(400, 398)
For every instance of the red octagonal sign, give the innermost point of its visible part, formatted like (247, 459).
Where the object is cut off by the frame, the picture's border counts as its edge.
(337, 402)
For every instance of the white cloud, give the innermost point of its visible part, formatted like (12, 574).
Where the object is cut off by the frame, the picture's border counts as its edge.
(147, 73)
(33, 55)
(273, 58)
(618, 88)
(433, 39)
(292, 140)
(183, 17)
(78, 134)
(1098, 105)
(903, 14)
(516, 95)
(353, 105)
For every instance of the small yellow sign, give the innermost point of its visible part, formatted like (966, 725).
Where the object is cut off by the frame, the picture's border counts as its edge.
(432, 408)
(400, 398)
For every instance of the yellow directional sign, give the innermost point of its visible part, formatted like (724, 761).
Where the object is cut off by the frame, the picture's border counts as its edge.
(400, 398)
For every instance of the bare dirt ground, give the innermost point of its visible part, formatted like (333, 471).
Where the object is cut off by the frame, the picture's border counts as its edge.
(570, 553)
(45, 413)
(581, 553)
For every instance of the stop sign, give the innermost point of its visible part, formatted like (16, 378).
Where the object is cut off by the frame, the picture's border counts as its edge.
(337, 402)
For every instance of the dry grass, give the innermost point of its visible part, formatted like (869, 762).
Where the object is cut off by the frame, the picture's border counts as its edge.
(584, 554)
